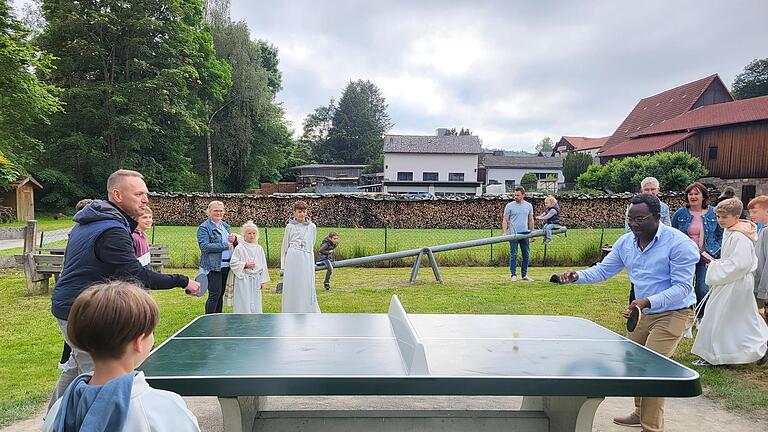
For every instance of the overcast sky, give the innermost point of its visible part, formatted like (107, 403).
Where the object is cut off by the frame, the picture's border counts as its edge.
(513, 72)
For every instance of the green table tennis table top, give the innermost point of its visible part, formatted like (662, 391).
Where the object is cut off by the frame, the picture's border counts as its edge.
(357, 354)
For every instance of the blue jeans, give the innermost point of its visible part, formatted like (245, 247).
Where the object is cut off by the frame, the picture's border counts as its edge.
(548, 230)
(700, 285)
(525, 248)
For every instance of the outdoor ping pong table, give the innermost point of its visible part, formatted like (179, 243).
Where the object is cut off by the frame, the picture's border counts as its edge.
(562, 366)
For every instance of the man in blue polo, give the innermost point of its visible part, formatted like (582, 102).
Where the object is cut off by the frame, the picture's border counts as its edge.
(518, 217)
(660, 261)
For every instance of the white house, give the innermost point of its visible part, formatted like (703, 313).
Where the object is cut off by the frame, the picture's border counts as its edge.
(509, 170)
(438, 164)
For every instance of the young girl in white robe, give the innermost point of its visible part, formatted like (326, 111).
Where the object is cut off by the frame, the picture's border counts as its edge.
(249, 270)
(732, 331)
(297, 262)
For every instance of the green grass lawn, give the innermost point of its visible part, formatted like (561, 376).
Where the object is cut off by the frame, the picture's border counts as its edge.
(44, 223)
(579, 247)
(32, 344)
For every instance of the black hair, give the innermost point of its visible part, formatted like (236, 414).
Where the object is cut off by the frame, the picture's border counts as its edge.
(653, 203)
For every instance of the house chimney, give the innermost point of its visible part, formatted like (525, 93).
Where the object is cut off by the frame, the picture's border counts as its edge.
(442, 131)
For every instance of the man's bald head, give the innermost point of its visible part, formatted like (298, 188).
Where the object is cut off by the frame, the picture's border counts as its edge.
(118, 178)
(127, 190)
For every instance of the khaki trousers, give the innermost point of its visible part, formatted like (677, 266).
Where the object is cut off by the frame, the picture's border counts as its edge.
(660, 333)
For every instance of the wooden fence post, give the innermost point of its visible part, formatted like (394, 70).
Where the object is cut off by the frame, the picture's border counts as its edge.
(30, 237)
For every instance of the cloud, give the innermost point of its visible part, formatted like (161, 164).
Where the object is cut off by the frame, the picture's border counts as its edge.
(511, 71)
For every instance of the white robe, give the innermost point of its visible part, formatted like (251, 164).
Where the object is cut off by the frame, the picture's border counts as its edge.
(298, 265)
(247, 298)
(732, 331)
(150, 410)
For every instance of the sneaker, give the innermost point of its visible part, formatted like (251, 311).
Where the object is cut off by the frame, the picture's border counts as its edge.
(514, 278)
(764, 359)
(547, 241)
(527, 278)
(701, 362)
(327, 286)
(630, 420)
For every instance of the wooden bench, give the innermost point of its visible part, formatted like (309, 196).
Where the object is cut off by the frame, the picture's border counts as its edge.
(50, 261)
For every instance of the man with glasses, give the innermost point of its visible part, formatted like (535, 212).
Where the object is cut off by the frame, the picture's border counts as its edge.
(660, 261)
(648, 186)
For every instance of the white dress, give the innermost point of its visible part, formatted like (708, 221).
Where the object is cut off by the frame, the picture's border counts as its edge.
(247, 298)
(732, 331)
(298, 265)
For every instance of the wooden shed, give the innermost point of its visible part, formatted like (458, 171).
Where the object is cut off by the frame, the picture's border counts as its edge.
(20, 196)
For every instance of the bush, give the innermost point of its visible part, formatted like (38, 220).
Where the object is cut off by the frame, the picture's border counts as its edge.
(576, 164)
(674, 171)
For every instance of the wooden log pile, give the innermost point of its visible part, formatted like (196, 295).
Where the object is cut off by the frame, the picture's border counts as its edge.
(395, 211)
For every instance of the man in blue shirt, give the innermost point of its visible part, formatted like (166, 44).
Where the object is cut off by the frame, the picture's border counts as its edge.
(661, 262)
(518, 217)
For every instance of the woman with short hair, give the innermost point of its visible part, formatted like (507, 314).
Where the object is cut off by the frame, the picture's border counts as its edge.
(216, 241)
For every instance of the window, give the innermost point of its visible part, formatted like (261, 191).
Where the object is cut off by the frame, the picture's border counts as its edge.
(455, 176)
(404, 176)
(509, 186)
(712, 152)
(430, 176)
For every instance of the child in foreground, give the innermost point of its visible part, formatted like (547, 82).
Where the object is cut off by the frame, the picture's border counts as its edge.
(249, 267)
(114, 323)
(732, 331)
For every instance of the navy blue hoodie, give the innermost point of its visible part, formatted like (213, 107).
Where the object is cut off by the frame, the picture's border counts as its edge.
(100, 248)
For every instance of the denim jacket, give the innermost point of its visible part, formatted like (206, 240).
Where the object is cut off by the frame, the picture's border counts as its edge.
(211, 245)
(713, 233)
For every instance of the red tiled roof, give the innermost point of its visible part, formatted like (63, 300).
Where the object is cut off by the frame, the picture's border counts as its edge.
(646, 144)
(741, 111)
(663, 106)
(584, 143)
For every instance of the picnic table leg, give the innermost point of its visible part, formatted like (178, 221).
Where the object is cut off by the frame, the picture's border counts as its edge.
(240, 412)
(44, 284)
(566, 413)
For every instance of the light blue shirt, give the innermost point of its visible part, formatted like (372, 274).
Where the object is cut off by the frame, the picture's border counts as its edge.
(663, 272)
(665, 219)
(226, 254)
(518, 216)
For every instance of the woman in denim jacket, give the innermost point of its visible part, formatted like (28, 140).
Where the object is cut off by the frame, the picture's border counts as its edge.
(698, 220)
(216, 242)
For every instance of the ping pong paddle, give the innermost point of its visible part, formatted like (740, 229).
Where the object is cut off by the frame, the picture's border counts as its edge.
(555, 278)
(202, 279)
(634, 318)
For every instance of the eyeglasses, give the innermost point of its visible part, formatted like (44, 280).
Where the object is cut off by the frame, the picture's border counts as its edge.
(638, 220)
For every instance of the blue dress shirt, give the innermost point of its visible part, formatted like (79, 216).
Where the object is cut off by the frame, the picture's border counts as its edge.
(662, 272)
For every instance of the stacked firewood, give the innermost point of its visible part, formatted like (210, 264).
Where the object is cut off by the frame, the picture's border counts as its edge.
(373, 211)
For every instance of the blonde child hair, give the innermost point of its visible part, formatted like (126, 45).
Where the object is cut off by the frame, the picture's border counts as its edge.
(147, 211)
(249, 225)
(730, 206)
(550, 200)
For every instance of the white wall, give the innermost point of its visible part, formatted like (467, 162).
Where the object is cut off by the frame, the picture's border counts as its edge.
(516, 174)
(418, 163)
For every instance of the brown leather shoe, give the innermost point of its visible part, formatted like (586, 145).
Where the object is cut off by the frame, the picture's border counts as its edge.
(630, 420)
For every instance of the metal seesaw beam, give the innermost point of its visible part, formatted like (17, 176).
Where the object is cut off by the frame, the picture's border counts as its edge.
(429, 251)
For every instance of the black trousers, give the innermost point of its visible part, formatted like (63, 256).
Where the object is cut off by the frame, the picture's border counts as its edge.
(216, 282)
